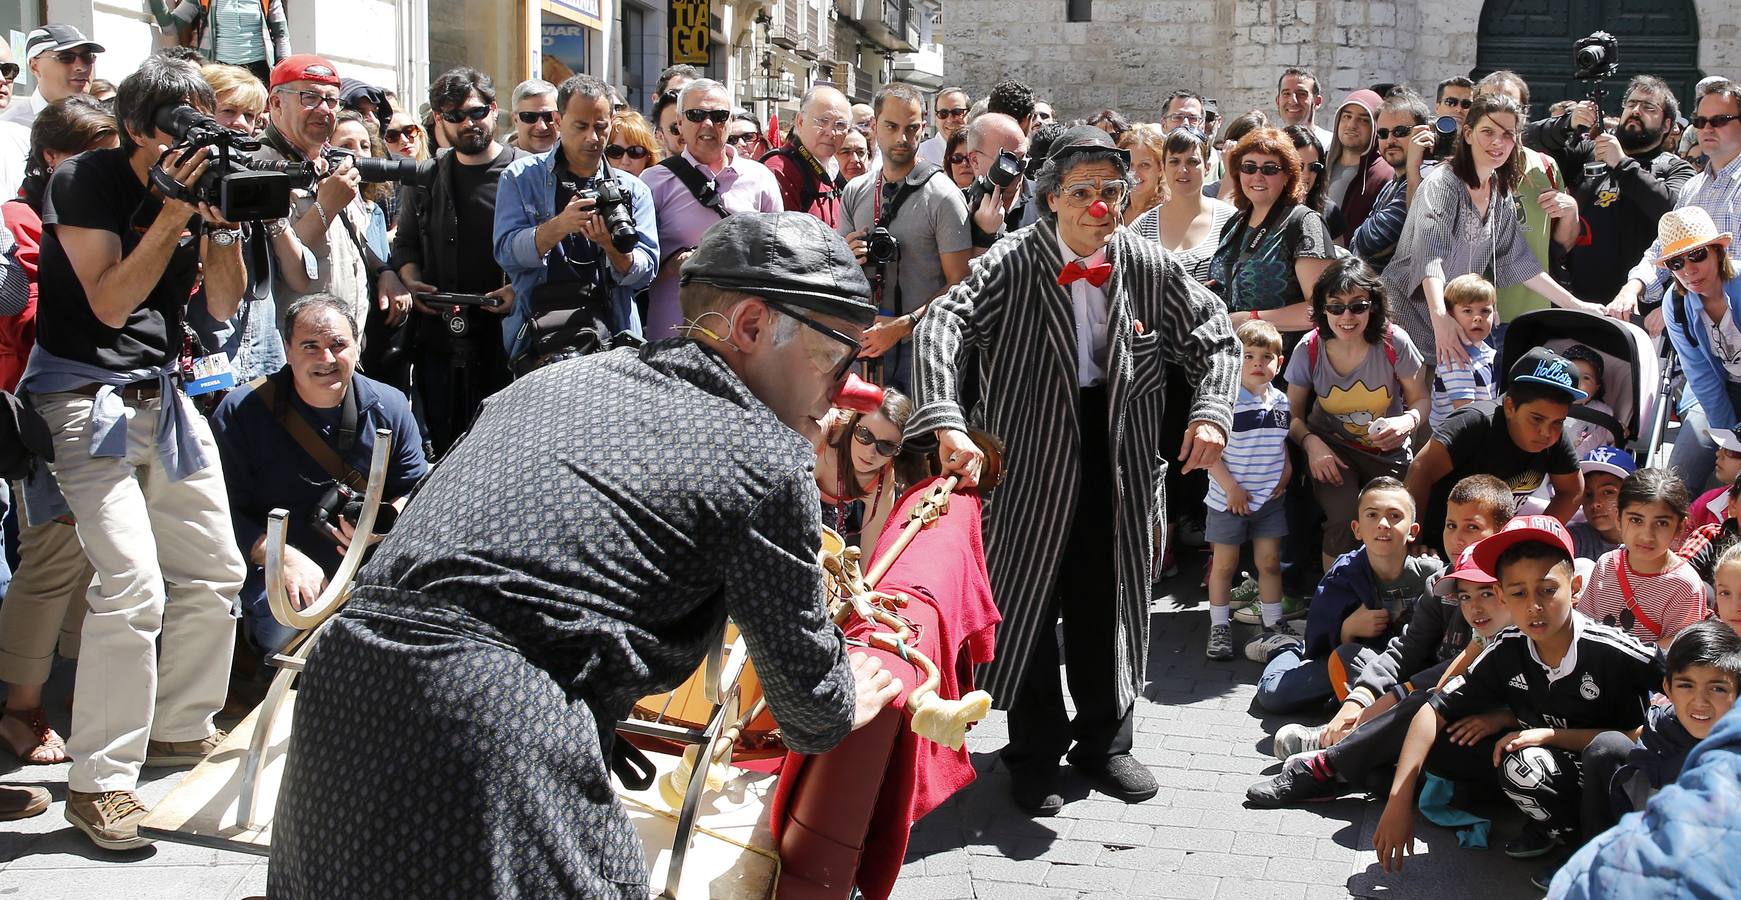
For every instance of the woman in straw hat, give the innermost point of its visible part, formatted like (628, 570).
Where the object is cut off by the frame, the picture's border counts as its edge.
(1700, 315)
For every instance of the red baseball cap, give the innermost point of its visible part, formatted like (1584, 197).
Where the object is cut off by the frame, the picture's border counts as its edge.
(304, 67)
(1466, 570)
(1545, 529)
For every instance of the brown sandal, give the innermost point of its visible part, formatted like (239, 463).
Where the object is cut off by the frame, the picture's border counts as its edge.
(31, 737)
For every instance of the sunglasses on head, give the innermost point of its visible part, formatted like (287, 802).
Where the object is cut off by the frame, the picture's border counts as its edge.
(1270, 169)
(1695, 256)
(886, 449)
(1463, 103)
(8, 71)
(1400, 131)
(634, 151)
(456, 116)
(529, 116)
(1712, 121)
(716, 116)
(408, 132)
(1357, 307)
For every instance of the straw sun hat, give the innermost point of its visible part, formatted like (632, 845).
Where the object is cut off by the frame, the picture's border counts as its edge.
(1685, 229)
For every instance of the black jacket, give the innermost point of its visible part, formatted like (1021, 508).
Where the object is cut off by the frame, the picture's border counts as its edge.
(428, 232)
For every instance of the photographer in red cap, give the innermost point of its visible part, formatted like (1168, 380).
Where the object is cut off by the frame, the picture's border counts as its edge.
(1071, 321)
(302, 110)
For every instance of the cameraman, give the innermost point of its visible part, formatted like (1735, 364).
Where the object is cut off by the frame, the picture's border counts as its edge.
(287, 439)
(136, 466)
(1623, 180)
(446, 231)
(907, 224)
(553, 242)
(989, 136)
(1407, 142)
(302, 112)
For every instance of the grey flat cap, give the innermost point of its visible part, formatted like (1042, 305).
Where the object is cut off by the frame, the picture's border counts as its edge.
(1080, 138)
(786, 257)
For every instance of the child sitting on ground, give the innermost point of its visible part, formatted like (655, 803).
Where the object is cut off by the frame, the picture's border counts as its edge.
(1726, 598)
(1712, 504)
(1604, 469)
(1479, 505)
(1704, 674)
(1469, 298)
(1245, 488)
(1644, 587)
(1587, 436)
(1366, 597)
(1565, 678)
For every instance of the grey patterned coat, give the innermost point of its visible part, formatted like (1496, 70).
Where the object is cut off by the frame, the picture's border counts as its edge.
(1011, 322)
(577, 551)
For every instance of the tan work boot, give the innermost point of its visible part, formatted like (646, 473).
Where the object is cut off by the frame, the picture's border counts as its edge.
(181, 753)
(21, 801)
(109, 818)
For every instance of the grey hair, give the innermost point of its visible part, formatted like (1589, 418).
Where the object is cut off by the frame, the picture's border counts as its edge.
(531, 87)
(979, 128)
(583, 86)
(699, 86)
(1050, 181)
(318, 301)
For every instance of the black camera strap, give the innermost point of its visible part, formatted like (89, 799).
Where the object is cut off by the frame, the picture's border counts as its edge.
(310, 440)
(909, 186)
(705, 190)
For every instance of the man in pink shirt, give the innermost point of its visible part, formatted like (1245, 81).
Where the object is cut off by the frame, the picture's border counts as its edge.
(707, 182)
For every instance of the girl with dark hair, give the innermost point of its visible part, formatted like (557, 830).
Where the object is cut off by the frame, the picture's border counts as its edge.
(1644, 587)
(855, 468)
(1312, 174)
(1187, 222)
(1358, 394)
(1462, 220)
(1276, 245)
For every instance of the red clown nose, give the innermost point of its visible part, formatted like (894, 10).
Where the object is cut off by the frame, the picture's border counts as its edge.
(858, 395)
(1099, 209)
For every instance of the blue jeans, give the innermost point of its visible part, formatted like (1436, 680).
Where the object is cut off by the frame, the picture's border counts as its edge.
(266, 633)
(1694, 455)
(1291, 682)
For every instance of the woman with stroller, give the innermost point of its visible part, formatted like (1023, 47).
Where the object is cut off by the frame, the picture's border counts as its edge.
(1700, 317)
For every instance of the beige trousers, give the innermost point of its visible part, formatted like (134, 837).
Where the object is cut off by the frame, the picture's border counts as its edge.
(45, 606)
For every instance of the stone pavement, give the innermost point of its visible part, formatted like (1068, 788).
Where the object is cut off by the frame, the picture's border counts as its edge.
(1196, 731)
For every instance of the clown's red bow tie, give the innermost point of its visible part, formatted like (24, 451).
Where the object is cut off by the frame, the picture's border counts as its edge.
(1076, 271)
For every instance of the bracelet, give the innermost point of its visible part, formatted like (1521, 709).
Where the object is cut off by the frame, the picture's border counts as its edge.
(325, 223)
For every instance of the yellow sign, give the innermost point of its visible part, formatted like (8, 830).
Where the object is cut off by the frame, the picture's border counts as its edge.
(691, 38)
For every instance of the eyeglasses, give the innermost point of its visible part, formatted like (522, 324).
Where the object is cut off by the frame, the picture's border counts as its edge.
(456, 116)
(1269, 169)
(1042, 116)
(1694, 256)
(823, 358)
(68, 57)
(1643, 106)
(1712, 121)
(832, 126)
(529, 116)
(1177, 119)
(716, 116)
(958, 159)
(8, 72)
(1083, 193)
(1357, 307)
(954, 112)
(1399, 132)
(886, 449)
(1456, 102)
(748, 137)
(311, 99)
(408, 132)
(635, 151)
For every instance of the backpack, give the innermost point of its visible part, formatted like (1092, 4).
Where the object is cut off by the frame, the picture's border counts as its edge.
(1311, 341)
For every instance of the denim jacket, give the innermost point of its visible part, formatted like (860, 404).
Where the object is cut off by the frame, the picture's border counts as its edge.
(1706, 379)
(525, 199)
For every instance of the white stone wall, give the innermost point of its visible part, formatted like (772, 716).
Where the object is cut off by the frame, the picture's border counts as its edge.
(1135, 52)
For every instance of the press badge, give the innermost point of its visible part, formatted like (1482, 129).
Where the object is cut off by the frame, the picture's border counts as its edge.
(211, 373)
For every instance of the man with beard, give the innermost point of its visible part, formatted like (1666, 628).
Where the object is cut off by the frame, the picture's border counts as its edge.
(1624, 181)
(446, 232)
(1406, 141)
(1357, 170)
(923, 211)
(805, 164)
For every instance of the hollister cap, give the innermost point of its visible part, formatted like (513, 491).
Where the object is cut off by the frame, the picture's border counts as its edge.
(1466, 570)
(55, 37)
(1543, 366)
(304, 67)
(1617, 462)
(785, 257)
(1543, 529)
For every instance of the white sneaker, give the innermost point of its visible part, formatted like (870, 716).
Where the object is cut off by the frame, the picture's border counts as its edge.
(1296, 738)
(1268, 644)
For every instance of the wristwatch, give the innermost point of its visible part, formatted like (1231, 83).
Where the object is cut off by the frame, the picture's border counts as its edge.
(277, 227)
(223, 237)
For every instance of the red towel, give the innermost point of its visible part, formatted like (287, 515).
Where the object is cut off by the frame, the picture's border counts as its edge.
(943, 570)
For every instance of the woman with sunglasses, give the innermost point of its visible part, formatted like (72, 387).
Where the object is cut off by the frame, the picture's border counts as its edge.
(1317, 185)
(957, 162)
(1358, 392)
(1465, 218)
(855, 468)
(253, 34)
(632, 147)
(1276, 246)
(1701, 314)
(404, 137)
(746, 134)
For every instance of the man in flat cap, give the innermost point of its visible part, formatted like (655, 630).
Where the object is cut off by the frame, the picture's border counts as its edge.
(1069, 323)
(578, 550)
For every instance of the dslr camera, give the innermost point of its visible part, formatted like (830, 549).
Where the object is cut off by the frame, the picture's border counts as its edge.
(881, 247)
(1004, 172)
(340, 500)
(1596, 57)
(619, 216)
(232, 183)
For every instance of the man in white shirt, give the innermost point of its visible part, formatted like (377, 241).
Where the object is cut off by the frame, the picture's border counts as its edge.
(951, 116)
(1298, 97)
(62, 62)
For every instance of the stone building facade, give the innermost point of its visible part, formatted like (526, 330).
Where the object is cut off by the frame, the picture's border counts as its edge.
(1129, 54)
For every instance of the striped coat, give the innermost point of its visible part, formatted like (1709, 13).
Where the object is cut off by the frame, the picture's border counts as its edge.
(1012, 324)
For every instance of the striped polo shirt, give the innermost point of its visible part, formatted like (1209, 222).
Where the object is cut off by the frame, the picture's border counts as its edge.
(1256, 447)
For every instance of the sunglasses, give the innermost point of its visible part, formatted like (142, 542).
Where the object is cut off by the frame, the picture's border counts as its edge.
(68, 57)
(886, 449)
(8, 71)
(674, 131)
(1269, 169)
(958, 159)
(456, 116)
(530, 116)
(633, 152)
(311, 100)
(837, 368)
(1712, 121)
(1400, 131)
(1449, 102)
(1316, 168)
(748, 137)
(1357, 307)
(954, 112)
(408, 132)
(1110, 193)
(716, 116)
(1695, 256)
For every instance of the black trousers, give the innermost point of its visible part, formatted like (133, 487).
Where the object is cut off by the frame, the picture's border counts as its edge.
(1377, 744)
(456, 373)
(1087, 600)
